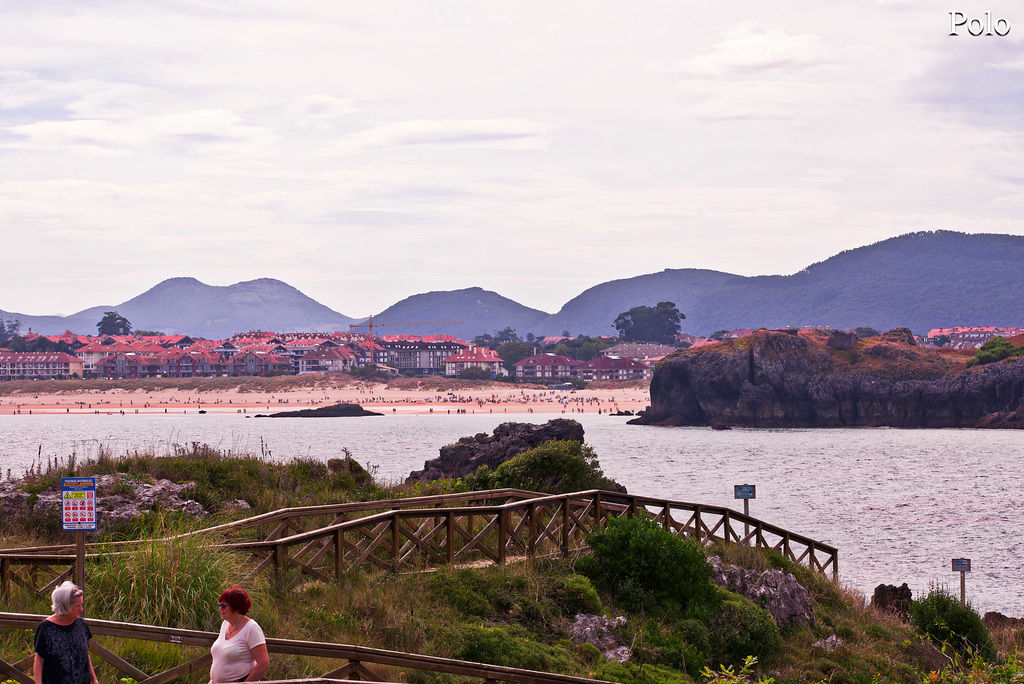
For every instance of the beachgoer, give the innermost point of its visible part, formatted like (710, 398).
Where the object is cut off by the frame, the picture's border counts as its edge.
(62, 641)
(240, 651)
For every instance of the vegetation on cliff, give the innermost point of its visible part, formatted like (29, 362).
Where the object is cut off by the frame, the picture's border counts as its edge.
(790, 379)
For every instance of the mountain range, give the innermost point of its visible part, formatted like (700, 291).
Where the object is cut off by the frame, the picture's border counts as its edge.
(920, 280)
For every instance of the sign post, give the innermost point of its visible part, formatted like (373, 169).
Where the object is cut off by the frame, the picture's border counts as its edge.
(78, 512)
(963, 566)
(745, 492)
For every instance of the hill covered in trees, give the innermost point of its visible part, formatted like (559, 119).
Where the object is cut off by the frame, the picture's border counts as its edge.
(921, 280)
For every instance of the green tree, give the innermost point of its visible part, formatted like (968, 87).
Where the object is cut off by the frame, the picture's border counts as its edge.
(114, 323)
(484, 340)
(475, 373)
(941, 340)
(507, 335)
(510, 352)
(9, 329)
(996, 349)
(863, 332)
(650, 324)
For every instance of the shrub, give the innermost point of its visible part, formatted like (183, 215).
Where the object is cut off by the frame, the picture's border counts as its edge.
(509, 647)
(995, 349)
(645, 567)
(555, 467)
(681, 646)
(742, 629)
(942, 617)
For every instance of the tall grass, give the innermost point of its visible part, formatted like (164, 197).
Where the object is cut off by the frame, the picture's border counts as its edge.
(175, 582)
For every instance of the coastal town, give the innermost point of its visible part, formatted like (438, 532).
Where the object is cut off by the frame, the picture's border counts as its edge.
(261, 353)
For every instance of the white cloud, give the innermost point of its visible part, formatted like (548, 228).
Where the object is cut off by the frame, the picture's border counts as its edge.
(494, 134)
(195, 133)
(747, 50)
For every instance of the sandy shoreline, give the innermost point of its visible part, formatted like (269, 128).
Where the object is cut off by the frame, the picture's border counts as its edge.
(494, 399)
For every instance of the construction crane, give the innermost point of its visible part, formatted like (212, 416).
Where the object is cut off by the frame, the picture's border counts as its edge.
(370, 324)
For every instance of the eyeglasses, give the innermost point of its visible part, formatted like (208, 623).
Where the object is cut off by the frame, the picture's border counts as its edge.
(222, 606)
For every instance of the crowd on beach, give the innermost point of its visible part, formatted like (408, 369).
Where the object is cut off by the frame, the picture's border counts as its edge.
(397, 400)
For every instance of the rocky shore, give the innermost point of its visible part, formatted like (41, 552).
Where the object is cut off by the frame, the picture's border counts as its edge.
(784, 379)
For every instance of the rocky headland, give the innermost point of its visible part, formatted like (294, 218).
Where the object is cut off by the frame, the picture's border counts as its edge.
(509, 439)
(790, 379)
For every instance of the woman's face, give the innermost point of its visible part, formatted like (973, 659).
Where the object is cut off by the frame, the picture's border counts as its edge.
(225, 610)
(77, 605)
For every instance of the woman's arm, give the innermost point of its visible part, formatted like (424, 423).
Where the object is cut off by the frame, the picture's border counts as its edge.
(37, 669)
(262, 658)
(92, 672)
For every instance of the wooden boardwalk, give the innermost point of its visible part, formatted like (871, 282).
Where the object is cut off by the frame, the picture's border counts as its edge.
(322, 542)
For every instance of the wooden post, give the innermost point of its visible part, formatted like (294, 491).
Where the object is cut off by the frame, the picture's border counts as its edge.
(531, 546)
(395, 546)
(696, 523)
(597, 512)
(565, 526)
(278, 565)
(502, 536)
(727, 527)
(667, 523)
(80, 559)
(5, 577)
(746, 524)
(450, 541)
(339, 553)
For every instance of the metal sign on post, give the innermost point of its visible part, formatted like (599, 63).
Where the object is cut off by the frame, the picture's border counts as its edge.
(963, 566)
(745, 492)
(78, 512)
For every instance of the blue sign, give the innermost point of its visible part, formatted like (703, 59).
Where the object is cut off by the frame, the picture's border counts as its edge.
(78, 503)
(961, 565)
(744, 491)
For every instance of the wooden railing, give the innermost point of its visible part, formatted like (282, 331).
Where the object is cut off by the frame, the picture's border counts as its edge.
(546, 525)
(197, 660)
(412, 534)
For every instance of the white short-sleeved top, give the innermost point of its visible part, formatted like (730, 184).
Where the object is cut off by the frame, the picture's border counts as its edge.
(232, 658)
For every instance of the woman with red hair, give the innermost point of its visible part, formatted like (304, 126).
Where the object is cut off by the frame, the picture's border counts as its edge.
(240, 651)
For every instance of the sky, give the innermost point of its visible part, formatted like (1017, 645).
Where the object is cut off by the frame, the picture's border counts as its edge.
(364, 152)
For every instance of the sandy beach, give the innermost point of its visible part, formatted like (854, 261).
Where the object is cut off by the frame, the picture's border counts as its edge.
(492, 399)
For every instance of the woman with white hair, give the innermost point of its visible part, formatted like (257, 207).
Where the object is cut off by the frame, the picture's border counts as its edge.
(62, 641)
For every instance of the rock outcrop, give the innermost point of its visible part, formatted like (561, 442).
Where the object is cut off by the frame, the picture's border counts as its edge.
(603, 633)
(332, 411)
(892, 599)
(119, 498)
(788, 601)
(469, 453)
(777, 379)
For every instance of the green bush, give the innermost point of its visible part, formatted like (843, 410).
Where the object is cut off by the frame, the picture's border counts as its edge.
(942, 617)
(555, 467)
(578, 595)
(681, 646)
(741, 629)
(509, 647)
(645, 567)
(995, 349)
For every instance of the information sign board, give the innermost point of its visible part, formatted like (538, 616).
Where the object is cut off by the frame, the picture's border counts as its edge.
(961, 565)
(744, 491)
(78, 503)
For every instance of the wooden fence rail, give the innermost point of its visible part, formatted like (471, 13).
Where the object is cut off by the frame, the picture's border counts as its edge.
(412, 534)
(355, 668)
(545, 525)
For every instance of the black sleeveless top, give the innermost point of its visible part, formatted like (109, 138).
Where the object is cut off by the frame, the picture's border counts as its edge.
(65, 652)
